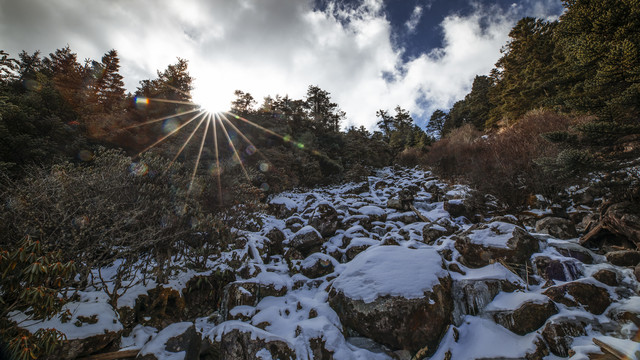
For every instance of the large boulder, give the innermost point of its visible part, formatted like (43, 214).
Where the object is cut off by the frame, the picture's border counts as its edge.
(250, 292)
(397, 296)
(521, 312)
(557, 227)
(483, 244)
(458, 207)
(235, 340)
(179, 340)
(274, 245)
(324, 218)
(432, 232)
(373, 212)
(607, 277)
(595, 299)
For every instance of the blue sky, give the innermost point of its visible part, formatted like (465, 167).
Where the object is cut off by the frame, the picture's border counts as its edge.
(369, 54)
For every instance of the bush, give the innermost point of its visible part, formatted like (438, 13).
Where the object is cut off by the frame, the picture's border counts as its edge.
(31, 281)
(109, 208)
(502, 163)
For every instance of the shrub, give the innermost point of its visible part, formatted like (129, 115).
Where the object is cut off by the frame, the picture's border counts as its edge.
(502, 163)
(109, 208)
(31, 281)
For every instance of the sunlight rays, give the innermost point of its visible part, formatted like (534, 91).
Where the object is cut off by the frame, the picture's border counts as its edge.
(235, 151)
(215, 121)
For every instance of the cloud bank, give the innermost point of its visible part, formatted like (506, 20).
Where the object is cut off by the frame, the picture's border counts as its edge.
(269, 47)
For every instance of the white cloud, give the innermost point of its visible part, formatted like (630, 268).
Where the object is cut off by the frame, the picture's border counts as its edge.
(414, 20)
(269, 47)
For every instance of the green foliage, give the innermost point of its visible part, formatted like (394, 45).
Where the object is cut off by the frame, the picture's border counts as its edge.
(605, 132)
(400, 133)
(567, 163)
(561, 136)
(474, 109)
(31, 281)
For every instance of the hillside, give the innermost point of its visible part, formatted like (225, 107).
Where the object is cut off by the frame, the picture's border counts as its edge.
(400, 266)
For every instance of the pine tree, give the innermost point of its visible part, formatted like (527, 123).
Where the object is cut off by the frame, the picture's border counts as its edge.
(322, 111)
(436, 123)
(110, 87)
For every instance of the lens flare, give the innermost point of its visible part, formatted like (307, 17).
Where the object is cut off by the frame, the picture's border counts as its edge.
(250, 150)
(138, 169)
(170, 125)
(264, 166)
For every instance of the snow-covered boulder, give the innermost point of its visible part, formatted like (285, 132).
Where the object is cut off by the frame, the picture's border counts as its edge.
(282, 207)
(250, 292)
(306, 240)
(317, 265)
(480, 245)
(235, 340)
(432, 232)
(521, 312)
(397, 296)
(324, 218)
(373, 212)
(176, 341)
(474, 290)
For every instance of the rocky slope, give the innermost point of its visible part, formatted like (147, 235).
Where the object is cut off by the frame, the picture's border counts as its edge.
(402, 266)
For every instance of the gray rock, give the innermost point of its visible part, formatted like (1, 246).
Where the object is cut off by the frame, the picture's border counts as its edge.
(557, 227)
(556, 269)
(306, 240)
(477, 251)
(399, 322)
(324, 219)
(529, 317)
(188, 341)
(243, 342)
(624, 257)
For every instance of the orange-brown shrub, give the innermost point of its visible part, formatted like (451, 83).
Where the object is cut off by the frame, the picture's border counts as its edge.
(501, 163)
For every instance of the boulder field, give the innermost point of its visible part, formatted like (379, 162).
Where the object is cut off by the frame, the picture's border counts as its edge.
(403, 266)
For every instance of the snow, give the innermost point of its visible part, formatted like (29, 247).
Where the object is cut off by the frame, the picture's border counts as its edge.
(482, 338)
(512, 301)
(139, 336)
(287, 202)
(157, 345)
(371, 210)
(91, 304)
(496, 234)
(390, 270)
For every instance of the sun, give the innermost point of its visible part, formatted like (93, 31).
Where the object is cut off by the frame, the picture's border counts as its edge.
(209, 100)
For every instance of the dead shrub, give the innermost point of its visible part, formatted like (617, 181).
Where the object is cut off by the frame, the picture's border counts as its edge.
(502, 163)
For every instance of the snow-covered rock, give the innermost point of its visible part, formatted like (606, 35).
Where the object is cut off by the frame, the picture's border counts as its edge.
(396, 296)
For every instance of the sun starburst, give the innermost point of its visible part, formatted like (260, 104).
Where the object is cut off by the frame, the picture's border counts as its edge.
(206, 110)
